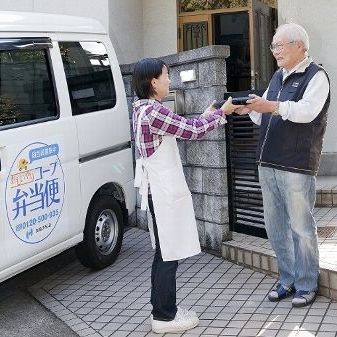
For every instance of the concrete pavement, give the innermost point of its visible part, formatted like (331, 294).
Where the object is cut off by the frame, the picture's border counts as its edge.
(21, 315)
(230, 299)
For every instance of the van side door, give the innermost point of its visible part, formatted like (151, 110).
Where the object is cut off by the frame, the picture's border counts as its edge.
(39, 177)
(98, 101)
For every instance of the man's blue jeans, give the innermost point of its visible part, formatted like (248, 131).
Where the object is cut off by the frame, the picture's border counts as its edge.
(288, 201)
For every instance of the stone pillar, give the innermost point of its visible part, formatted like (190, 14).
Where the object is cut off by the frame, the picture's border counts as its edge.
(204, 161)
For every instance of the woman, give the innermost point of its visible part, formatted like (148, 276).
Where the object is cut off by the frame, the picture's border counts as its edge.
(159, 169)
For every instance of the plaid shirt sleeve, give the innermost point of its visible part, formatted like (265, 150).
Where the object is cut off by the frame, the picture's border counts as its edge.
(163, 121)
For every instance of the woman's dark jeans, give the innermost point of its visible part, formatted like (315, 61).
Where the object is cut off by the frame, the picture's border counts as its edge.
(163, 281)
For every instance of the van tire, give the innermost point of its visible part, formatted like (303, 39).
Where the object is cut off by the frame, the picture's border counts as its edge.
(103, 233)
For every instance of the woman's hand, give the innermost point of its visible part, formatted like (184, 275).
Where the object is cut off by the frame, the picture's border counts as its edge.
(228, 107)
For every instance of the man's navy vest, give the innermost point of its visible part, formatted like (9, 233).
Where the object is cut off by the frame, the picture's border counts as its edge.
(286, 145)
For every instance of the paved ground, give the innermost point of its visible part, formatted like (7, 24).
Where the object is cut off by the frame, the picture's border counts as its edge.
(230, 300)
(20, 314)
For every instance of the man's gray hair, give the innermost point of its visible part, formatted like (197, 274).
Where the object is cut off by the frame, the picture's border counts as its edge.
(294, 32)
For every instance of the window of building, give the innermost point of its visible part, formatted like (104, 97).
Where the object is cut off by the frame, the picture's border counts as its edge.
(89, 77)
(26, 86)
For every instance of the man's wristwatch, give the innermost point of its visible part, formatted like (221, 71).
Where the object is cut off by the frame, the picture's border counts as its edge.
(275, 111)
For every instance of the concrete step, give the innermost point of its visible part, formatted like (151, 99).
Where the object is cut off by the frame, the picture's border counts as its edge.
(257, 254)
(326, 191)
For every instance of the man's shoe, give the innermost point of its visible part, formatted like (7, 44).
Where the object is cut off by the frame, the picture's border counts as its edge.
(280, 292)
(184, 320)
(303, 298)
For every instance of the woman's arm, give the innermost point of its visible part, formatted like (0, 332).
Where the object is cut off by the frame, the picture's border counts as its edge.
(163, 121)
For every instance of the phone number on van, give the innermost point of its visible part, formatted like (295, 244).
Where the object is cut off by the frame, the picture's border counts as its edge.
(36, 220)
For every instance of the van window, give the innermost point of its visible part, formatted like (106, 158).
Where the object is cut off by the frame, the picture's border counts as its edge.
(88, 72)
(26, 87)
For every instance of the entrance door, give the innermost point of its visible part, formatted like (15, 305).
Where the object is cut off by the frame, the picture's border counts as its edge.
(232, 29)
(246, 26)
(263, 26)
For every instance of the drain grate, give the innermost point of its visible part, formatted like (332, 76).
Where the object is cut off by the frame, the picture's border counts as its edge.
(326, 232)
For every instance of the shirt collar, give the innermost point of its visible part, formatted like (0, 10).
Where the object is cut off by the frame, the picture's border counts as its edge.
(299, 68)
(144, 101)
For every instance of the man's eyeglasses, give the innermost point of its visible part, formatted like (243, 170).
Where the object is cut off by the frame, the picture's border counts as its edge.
(278, 46)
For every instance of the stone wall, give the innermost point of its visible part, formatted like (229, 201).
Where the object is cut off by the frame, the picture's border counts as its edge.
(204, 161)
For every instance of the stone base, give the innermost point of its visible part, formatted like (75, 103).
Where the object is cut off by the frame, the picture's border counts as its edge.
(244, 251)
(328, 166)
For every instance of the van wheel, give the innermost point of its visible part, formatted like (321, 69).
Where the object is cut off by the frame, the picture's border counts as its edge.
(103, 233)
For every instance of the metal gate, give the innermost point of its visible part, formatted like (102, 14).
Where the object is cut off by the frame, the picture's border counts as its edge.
(245, 204)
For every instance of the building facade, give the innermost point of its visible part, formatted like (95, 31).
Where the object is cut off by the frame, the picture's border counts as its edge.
(150, 28)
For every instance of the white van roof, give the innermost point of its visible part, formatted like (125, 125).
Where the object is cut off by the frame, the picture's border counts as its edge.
(43, 22)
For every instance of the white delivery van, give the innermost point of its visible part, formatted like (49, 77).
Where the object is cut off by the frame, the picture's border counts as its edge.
(66, 172)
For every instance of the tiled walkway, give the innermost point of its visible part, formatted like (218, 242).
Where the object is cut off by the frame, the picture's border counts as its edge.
(230, 300)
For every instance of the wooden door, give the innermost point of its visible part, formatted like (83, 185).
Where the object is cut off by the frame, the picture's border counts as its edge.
(262, 30)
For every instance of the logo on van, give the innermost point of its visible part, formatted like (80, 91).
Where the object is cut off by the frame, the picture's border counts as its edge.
(35, 190)
(23, 164)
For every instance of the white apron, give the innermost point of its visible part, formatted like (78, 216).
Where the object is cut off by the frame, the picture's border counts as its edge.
(172, 200)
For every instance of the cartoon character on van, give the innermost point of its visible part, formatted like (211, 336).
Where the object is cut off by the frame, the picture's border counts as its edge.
(35, 192)
(23, 164)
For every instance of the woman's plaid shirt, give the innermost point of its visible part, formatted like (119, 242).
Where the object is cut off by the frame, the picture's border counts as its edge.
(159, 121)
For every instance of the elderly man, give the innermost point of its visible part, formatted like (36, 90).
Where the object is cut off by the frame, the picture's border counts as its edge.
(292, 115)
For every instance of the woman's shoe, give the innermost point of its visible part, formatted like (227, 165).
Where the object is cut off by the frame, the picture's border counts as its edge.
(184, 320)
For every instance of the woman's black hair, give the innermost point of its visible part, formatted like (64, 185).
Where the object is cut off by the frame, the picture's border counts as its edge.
(145, 70)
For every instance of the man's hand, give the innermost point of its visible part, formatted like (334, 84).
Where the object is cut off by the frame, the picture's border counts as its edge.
(242, 110)
(260, 104)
